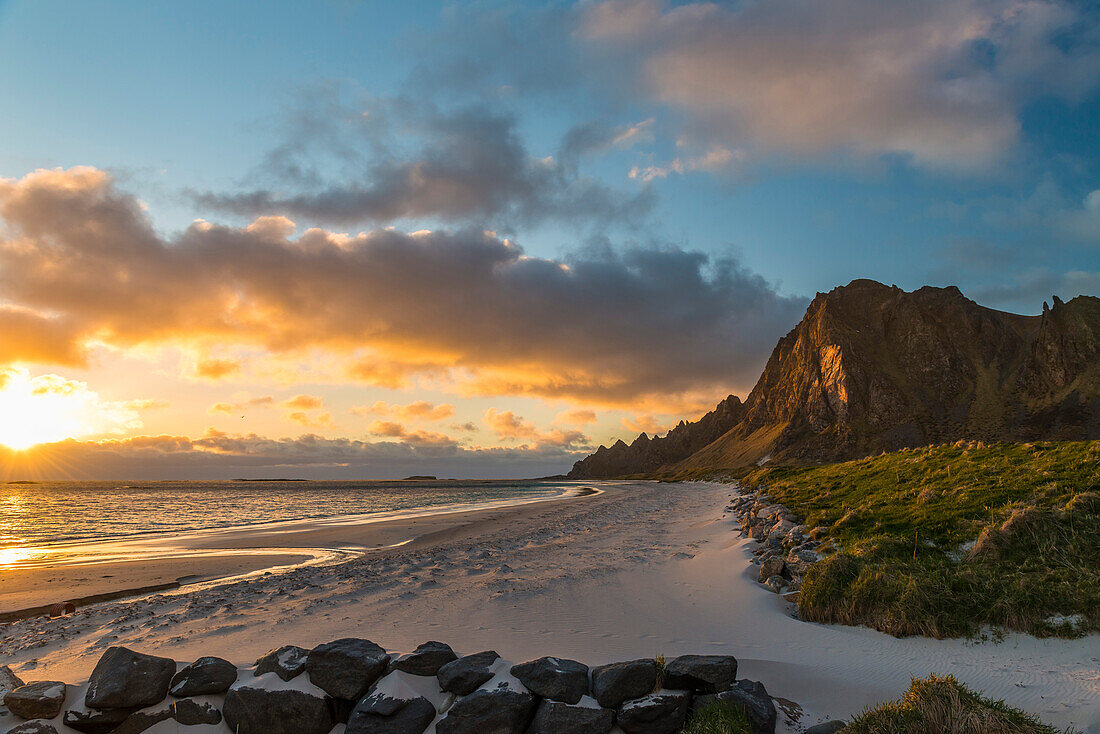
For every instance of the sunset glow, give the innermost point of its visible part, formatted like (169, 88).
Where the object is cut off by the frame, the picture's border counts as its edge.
(32, 415)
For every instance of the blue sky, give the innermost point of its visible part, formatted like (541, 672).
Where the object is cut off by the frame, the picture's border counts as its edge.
(768, 150)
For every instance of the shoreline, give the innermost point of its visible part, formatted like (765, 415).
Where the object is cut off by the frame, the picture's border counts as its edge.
(128, 567)
(640, 570)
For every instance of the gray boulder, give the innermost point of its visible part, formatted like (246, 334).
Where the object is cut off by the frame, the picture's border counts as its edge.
(205, 676)
(346, 668)
(126, 679)
(426, 659)
(658, 713)
(701, 673)
(771, 566)
(555, 717)
(9, 681)
(555, 678)
(187, 712)
(827, 727)
(34, 727)
(287, 662)
(39, 700)
(616, 682)
(496, 711)
(465, 675)
(380, 714)
(276, 711)
(749, 696)
(91, 721)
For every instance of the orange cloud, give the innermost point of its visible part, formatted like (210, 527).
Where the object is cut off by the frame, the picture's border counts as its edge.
(389, 429)
(467, 310)
(304, 402)
(323, 420)
(645, 424)
(510, 427)
(418, 410)
(576, 417)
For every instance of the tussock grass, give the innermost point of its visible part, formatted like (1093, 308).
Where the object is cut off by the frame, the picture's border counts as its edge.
(719, 717)
(942, 704)
(943, 541)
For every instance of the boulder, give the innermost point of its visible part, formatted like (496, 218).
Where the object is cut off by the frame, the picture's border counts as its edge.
(827, 727)
(263, 707)
(346, 668)
(92, 721)
(465, 675)
(39, 700)
(187, 712)
(555, 678)
(775, 584)
(772, 566)
(380, 714)
(34, 727)
(426, 659)
(555, 717)
(205, 676)
(9, 681)
(663, 712)
(126, 679)
(287, 662)
(500, 710)
(701, 673)
(616, 682)
(749, 696)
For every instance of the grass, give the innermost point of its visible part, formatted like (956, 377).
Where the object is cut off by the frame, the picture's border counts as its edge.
(942, 704)
(943, 541)
(719, 717)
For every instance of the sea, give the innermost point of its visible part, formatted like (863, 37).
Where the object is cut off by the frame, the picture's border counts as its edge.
(44, 513)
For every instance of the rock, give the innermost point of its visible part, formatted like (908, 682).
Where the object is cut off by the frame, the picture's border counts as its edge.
(126, 679)
(464, 675)
(663, 712)
(751, 697)
(34, 727)
(614, 683)
(380, 714)
(701, 673)
(555, 678)
(9, 681)
(346, 668)
(187, 712)
(426, 659)
(91, 721)
(555, 717)
(203, 677)
(38, 700)
(827, 727)
(268, 709)
(776, 583)
(772, 566)
(287, 662)
(497, 710)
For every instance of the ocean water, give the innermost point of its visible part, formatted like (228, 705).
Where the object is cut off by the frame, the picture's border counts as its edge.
(87, 512)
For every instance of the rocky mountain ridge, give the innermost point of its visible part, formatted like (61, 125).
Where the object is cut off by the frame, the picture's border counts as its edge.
(873, 368)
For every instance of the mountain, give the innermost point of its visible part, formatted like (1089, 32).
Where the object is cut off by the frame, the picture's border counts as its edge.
(873, 368)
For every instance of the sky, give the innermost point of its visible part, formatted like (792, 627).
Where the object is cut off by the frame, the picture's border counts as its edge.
(366, 240)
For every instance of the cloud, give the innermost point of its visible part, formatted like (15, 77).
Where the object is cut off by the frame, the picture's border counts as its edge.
(304, 402)
(645, 423)
(420, 410)
(308, 420)
(941, 82)
(1082, 223)
(467, 309)
(576, 417)
(238, 407)
(1039, 284)
(210, 368)
(400, 160)
(47, 405)
(220, 455)
(510, 427)
(390, 429)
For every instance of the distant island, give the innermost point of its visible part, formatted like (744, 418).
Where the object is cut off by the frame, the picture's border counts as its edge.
(420, 478)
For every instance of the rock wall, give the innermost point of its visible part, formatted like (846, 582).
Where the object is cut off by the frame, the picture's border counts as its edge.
(355, 686)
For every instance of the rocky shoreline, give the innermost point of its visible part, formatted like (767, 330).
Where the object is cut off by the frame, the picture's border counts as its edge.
(786, 550)
(355, 686)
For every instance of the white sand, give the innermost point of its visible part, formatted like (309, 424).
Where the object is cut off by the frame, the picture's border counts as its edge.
(639, 570)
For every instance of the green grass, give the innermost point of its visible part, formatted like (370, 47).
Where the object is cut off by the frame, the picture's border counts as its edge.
(942, 704)
(899, 525)
(719, 717)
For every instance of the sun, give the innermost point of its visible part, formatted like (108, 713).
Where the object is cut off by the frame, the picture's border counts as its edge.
(32, 412)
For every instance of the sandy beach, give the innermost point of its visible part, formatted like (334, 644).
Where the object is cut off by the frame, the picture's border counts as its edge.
(638, 570)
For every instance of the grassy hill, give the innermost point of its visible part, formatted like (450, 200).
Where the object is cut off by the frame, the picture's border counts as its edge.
(945, 540)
